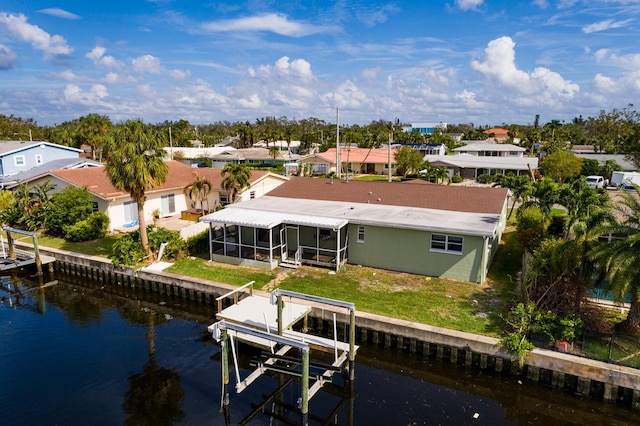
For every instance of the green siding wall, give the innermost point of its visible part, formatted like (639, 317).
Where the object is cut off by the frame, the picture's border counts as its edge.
(408, 251)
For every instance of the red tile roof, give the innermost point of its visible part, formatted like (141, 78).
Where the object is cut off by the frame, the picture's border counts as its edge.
(440, 197)
(180, 176)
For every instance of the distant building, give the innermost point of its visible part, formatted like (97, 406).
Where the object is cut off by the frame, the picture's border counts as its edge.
(19, 156)
(425, 128)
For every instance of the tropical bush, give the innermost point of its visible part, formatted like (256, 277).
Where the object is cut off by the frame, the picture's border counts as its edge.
(128, 250)
(198, 244)
(456, 179)
(93, 227)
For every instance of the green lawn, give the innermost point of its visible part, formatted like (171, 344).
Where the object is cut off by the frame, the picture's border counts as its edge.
(376, 177)
(100, 247)
(200, 268)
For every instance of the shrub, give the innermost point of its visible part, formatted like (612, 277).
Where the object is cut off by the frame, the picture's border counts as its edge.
(127, 250)
(67, 208)
(456, 179)
(93, 227)
(176, 245)
(486, 178)
(198, 244)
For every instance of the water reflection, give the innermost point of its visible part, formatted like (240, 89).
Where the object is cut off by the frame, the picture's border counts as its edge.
(117, 356)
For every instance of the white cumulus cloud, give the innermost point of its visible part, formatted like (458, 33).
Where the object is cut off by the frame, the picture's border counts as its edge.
(18, 27)
(499, 66)
(146, 64)
(97, 55)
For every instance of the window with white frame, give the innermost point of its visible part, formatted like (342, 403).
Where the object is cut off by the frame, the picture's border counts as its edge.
(446, 243)
(252, 194)
(130, 211)
(360, 234)
(224, 199)
(168, 204)
(19, 161)
(38, 159)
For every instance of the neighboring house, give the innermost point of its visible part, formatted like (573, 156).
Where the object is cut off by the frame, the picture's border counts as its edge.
(425, 128)
(428, 148)
(627, 166)
(471, 166)
(169, 199)
(435, 230)
(497, 134)
(251, 156)
(193, 156)
(10, 182)
(287, 148)
(353, 160)
(490, 149)
(18, 156)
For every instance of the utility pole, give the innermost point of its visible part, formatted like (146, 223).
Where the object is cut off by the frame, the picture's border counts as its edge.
(338, 162)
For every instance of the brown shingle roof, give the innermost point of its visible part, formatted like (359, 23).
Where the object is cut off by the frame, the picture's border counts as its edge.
(439, 197)
(180, 175)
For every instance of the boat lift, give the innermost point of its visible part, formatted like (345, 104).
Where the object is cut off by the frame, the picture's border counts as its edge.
(243, 321)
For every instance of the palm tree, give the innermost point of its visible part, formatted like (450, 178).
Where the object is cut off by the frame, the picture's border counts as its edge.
(135, 165)
(93, 130)
(274, 151)
(620, 257)
(199, 190)
(520, 187)
(235, 177)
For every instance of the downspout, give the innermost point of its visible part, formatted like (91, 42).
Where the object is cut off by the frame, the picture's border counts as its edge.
(485, 257)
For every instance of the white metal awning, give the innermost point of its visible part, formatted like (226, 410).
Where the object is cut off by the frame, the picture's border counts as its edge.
(269, 219)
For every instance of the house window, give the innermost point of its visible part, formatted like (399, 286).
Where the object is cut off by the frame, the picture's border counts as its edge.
(224, 199)
(94, 206)
(130, 212)
(38, 159)
(168, 204)
(19, 161)
(446, 243)
(252, 194)
(361, 234)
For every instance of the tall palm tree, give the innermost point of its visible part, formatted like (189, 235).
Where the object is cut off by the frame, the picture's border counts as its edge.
(235, 177)
(135, 165)
(199, 190)
(620, 257)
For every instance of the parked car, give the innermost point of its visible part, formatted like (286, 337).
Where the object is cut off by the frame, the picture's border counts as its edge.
(596, 182)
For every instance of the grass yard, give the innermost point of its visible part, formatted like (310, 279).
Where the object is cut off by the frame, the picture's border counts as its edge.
(100, 247)
(228, 274)
(438, 302)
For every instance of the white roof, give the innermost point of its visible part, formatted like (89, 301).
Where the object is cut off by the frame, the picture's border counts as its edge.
(193, 153)
(473, 161)
(235, 214)
(267, 212)
(480, 146)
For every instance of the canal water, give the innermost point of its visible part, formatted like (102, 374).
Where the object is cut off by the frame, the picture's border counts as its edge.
(77, 353)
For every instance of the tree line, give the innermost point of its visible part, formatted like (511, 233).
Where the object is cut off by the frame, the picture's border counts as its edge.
(612, 132)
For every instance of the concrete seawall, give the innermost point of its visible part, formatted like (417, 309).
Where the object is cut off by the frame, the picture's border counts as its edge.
(596, 379)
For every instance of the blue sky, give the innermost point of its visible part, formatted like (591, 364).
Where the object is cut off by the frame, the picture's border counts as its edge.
(485, 62)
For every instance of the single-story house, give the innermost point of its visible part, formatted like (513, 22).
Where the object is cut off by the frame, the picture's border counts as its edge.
(169, 199)
(472, 166)
(353, 160)
(18, 156)
(627, 166)
(193, 156)
(425, 128)
(434, 230)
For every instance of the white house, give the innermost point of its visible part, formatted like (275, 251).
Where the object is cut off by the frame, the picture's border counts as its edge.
(169, 199)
